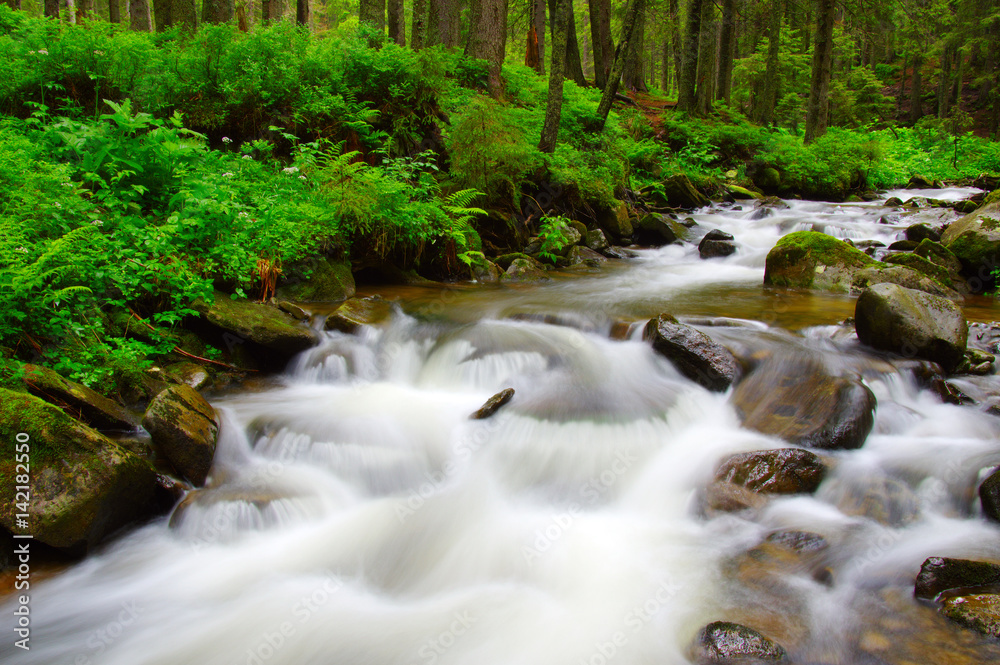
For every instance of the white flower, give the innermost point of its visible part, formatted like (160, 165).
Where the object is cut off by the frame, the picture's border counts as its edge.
(22, 250)
(290, 169)
(97, 222)
(42, 51)
(227, 174)
(243, 215)
(226, 139)
(98, 52)
(31, 53)
(58, 205)
(247, 157)
(302, 177)
(67, 184)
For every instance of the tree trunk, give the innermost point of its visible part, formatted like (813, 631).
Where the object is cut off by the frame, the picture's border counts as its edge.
(432, 37)
(689, 66)
(488, 39)
(902, 84)
(371, 13)
(916, 109)
(184, 13)
(302, 12)
(819, 93)
(727, 48)
(114, 11)
(538, 23)
(944, 84)
(665, 67)
(51, 9)
(139, 16)
(418, 30)
(531, 57)
(216, 11)
(769, 95)
(676, 44)
(449, 25)
(162, 13)
(14, 4)
(600, 38)
(633, 11)
(632, 75)
(397, 22)
(707, 50)
(574, 64)
(84, 10)
(560, 13)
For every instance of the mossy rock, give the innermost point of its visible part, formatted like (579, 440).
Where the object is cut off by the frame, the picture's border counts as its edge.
(580, 227)
(680, 192)
(905, 277)
(992, 197)
(979, 612)
(504, 260)
(187, 373)
(185, 428)
(742, 193)
(922, 182)
(84, 486)
(940, 255)
(921, 265)
(259, 323)
(358, 312)
(975, 240)
(768, 179)
(724, 642)
(940, 574)
(809, 259)
(657, 230)
(615, 221)
(95, 409)
(521, 270)
(317, 279)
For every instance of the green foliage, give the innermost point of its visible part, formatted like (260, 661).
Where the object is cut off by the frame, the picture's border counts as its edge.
(554, 234)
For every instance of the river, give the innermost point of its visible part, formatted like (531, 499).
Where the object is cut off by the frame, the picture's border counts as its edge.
(356, 515)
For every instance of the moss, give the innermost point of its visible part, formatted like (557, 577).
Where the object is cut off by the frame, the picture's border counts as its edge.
(974, 249)
(49, 428)
(923, 266)
(992, 197)
(805, 259)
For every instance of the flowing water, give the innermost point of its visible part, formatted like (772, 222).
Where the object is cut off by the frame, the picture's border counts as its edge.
(356, 515)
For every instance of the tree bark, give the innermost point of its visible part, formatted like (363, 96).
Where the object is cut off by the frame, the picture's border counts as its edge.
(573, 68)
(216, 11)
(727, 46)
(449, 24)
(676, 45)
(372, 14)
(689, 66)
(635, 9)
(819, 93)
(769, 95)
(600, 38)
(916, 108)
(418, 30)
(184, 13)
(531, 57)
(84, 10)
(665, 67)
(162, 13)
(302, 11)
(51, 9)
(538, 23)
(707, 50)
(632, 75)
(488, 39)
(433, 34)
(139, 16)
(560, 12)
(397, 22)
(114, 11)
(14, 4)
(944, 84)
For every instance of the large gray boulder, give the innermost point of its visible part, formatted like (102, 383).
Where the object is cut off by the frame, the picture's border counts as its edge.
(185, 428)
(694, 353)
(83, 486)
(795, 399)
(812, 260)
(261, 324)
(911, 323)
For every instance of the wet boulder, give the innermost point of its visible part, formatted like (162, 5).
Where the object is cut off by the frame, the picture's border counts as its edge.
(486, 272)
(357, 312)
(812, 260)
(716, 243)
(186, 373)
(681, 193)
(911, 323)
(919, 232)
(989, 495)
(493, 404)
(83, 486)
(940, 574)
(979, 612)
(893, 202)
(795, 399)
(975, 240)
(258, 323)
(596, 240)
(693, 353)
(658, 230)
(521, 270)
(902, 276)
(729, 643)
(940, 255)
(922, 182)
(725, 497)
(929, 269)
(97, 410)
(583, 256)
(885, 500)
(742, 193)
(185, 428)
(780, 471)
(615, 221)
(317, 279)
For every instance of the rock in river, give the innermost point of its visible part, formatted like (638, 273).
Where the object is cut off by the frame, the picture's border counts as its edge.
(975, 240)
(939, 574)
(781, 471)
(185, 428)
(731, 643)
(911, 323)
(694, 353)
(795, 399)
(716, 243)
(989, 495)
(979, 612)
(83, 485)
(261, 324)
(808, 259)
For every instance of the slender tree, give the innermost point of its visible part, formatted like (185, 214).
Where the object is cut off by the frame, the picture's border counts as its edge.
(397, 22)
(676, 45)
(689, 66)
(84, 10)
(488, 39)
(559, 12)
(184, 13)
(217, 11)
(418, 29)
(114, 11)
(14, 4)
(634, 10)
(538, 23)
(302, 12)
(140, 18)
(727, 51)
(632, 77)
(600, 38)
(769, 95)
(817, 113)
(531, 56)
(161, 11)
(708, 44)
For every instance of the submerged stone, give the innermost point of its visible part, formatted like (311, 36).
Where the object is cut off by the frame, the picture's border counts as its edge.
(939, 574)
(780, 471)
(731, 643)
(695, 354)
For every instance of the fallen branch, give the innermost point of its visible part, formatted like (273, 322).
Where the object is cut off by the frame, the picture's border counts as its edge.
(186, 354)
